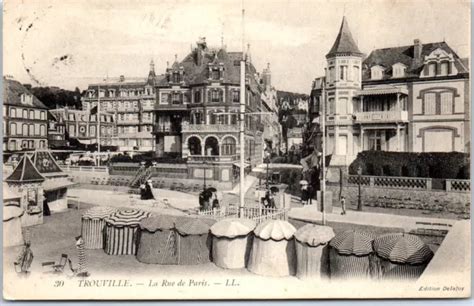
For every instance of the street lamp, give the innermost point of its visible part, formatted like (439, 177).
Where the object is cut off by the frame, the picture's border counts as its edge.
(204, 165)
(359, 199)
(267, 158)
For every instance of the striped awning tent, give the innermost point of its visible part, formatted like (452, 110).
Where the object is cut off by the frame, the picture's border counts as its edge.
(93, 225)
(350, 255)
(122, 231)
(233, 227)
(402, 256)
(157, 240)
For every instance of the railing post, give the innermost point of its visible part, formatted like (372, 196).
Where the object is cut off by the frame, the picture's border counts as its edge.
(448, 185)
(429, 184)
(372, 181)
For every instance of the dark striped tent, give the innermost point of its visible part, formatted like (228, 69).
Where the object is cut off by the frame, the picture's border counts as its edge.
(273, 249)
(157, 241)
(350, 255)
(122, 231)
(401, 256)
(193, 242)
(312, 251)
(93, 225)
(231, 242)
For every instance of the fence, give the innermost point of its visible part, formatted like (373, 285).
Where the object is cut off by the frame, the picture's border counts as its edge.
(102, 169)
(258, 214)
(415, 183)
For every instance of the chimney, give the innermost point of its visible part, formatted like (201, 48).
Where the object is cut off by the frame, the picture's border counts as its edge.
(417, 47)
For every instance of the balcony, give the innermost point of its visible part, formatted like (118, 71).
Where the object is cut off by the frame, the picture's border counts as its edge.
(381, 117)
(224, 128)
(168, 130)
(213, 158)
(172, 107)
(127, 122)
(339, 120)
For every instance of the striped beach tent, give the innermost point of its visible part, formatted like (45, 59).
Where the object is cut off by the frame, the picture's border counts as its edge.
(193, 242)
(402, 256)
(93, 225)
(273, 249)
(350, 255)
(122, 231)
(157, 241)
(231, 242)
(312, 251)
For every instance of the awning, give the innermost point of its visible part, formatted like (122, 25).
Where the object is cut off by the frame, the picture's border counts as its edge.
(238, 165)
(382, 90)
(55, 184)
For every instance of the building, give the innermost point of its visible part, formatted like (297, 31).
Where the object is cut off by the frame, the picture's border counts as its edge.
(272, 133)
(131, 102)
(25, 121)
(197, 112)
(56, 132)
(82, 125)
(413, 98)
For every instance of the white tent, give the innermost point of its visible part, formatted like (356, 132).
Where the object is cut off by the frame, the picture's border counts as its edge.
(231, 242)
(273, 249)
(12, 235)
(312, 251)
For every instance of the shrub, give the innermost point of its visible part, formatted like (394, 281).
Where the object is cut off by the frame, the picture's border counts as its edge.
(450, 165)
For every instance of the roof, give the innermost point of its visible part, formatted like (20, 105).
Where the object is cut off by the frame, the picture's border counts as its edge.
(381, 90)
(12, 91)
(199, 74)
(44, 162)
(25, 172)
(57, 183)
(387, 57)
(344, 44)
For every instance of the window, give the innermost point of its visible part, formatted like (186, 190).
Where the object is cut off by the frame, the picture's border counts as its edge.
(12, 128)
(176, 98)
(398, 70)
(43, 130)
(215, 74)
(72, 130)
(233, 119)
(32, 114)
(236, 96)
(176, 77)
(165, 98)
(37, 129)
(42, 144)
(43, 115)
(343, 73)
(332, 74)
(356, 71)
(71, 117)
(432, 69)
(375, 141)
(24, 129)
(13, 112)
(331, 105)
(26, 99)
(212, 118)
(376, 73)
(25, 114)
(12, 145)
(32, 129)
(197, 96)
(228, 146)
(216, 96)
(446, 102)
(444, 68)
(430, 103)
(197, 117)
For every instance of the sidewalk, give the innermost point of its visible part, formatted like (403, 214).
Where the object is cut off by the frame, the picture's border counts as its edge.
(312, 215)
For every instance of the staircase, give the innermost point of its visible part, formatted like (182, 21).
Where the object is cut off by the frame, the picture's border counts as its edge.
(143, 174)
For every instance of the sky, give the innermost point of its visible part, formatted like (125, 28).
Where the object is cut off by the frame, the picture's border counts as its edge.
(69, 43)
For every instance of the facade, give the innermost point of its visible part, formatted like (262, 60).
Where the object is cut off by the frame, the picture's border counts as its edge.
(25, 121)
(82, 125)
(410, 99)
(131, 103)
(56, 132)
(272, 133)
(197, 113)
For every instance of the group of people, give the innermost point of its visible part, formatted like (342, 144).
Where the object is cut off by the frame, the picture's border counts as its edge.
(146, 191)
(209, 199)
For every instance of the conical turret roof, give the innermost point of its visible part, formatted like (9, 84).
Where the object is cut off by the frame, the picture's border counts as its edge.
(344, 44)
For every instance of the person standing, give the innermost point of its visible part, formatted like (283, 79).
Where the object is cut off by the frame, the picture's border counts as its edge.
(343, 205)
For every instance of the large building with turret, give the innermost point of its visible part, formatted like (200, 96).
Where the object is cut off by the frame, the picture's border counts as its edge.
(413, 98)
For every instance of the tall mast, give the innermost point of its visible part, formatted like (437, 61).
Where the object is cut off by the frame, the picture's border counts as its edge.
(98, 125)
(242, 119)
(323, 148)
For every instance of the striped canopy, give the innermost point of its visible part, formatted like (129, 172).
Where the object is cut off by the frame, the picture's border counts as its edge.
(233, 227)
(98, 212)
(402, 248)
(352, 243)
(192, 226)
(161, 222)
(314, 235)
(127, 217)
(275, 229)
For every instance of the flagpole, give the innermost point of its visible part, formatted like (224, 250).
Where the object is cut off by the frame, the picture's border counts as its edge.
(323, 147)
(242, 121)
(98, 125)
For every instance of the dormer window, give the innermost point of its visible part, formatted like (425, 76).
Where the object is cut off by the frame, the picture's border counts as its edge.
(376, 72)
(439, 63)
(176, 77)
(398, 70)
(111, 92)
(215, 74)
(26, 99)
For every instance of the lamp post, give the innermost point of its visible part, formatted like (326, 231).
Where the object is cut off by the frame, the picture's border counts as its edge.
(267, 158)
(359, 198)
(204, 165)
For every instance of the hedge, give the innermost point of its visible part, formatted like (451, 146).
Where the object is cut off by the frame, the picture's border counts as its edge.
(452, 165)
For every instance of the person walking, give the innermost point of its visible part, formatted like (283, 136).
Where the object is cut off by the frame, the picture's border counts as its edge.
(304, 192)
(343, 205)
